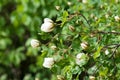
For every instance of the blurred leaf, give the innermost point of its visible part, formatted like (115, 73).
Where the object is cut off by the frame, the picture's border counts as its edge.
(103, 71)
(64, 19)
(97, 53)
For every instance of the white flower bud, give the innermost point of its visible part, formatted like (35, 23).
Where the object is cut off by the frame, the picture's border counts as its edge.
(37, 78)
(107, 15)
(48, 20)
(81, 59)
(117, 18)
(48, 62)
(34, 43)
(53, 47)
(101, 6)
(79, 55)
(60, 77)
(92, 15)
(96, 18)
(69, 3)
(116, 1)
(84, 1)
(57, 7)
(91, 78)
(48, 25)
(84, 45)
(106, 52)
(71, 28)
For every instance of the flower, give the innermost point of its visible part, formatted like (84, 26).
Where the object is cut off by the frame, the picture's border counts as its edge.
(106, 52)
(117, 18)
(91, 78)
(81, 59)
(48, 25)
(35, 43)
(48, 62)
(84, 45)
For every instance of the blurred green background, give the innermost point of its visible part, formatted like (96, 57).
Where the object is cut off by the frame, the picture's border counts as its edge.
(20, 21)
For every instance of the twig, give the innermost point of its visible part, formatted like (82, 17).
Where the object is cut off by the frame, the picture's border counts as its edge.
(103, 32)
(76, 14)
(111, 46)
(113, 57)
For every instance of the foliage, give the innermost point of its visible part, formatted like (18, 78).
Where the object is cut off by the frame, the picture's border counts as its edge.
(76, 22)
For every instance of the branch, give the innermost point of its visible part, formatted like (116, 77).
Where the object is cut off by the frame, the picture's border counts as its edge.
(103, 32)
(79, 14)
(112, 46)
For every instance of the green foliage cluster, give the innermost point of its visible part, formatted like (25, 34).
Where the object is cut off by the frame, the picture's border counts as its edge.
(93, 23)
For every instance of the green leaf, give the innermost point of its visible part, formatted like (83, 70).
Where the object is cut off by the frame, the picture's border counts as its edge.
(64, 19)
(97, 53)
(103, 71)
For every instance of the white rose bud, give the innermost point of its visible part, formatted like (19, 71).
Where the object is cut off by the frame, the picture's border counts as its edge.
(48, 25)
(79, 55)
(53, 47)
(35, 43)
(96, 18)
(107, 15)
(91, 78)
(84, 1)
(48, 62)
(57, 7)
(117, 18)
(69, 3)
(84, 45)
(106, 52)
(116, 1)
(60, 77)
(71, 28)
(81, 59)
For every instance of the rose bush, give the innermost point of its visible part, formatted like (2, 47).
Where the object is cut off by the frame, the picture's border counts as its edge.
(64, 40)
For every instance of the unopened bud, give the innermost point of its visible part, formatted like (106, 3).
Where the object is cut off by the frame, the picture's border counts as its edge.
(57, 7)
(35, 43)
(92, 15)
(81, 59)
(116, 1)
(96, 18)
(84, 1)
(48, 62)
(106, 15)
(53, 47)
(91, 78)
(117, 18)
(101, 6)
(71, 28)
(60, 77)
(48, 25)
(69, 3)
(106, 52)
(84, 45)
